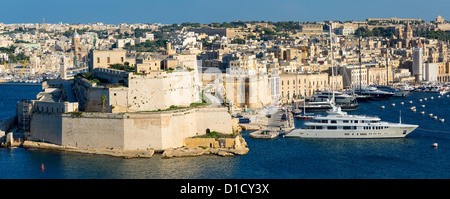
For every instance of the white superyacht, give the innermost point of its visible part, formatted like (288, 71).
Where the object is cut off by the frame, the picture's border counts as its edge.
(338, 124)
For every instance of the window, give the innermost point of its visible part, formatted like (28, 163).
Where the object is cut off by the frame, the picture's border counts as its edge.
(346, 127)
(121, 59)
(324, 121)
(98, 60)
(332, 127)
(108, 60)
(345, 121)
(333, 121)
(356, 121)
(318, 127)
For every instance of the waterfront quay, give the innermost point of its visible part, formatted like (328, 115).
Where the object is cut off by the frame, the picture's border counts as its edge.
(281, 121)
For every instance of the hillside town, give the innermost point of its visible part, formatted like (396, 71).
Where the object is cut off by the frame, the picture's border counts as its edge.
(386, 48)
(181, 79)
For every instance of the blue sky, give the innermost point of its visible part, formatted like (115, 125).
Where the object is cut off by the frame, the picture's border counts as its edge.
(207, 11)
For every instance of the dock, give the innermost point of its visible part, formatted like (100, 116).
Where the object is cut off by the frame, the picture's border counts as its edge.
(276, 123)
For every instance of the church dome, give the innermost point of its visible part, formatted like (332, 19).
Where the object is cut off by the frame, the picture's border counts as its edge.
(75, 34)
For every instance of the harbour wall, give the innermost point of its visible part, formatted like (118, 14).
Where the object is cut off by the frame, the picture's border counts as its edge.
(128, 131)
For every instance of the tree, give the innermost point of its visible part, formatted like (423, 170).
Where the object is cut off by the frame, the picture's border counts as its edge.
(103, 98)
(238, 41)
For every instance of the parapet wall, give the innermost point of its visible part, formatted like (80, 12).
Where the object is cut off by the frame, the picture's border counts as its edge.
(89, 96)
(129, 131)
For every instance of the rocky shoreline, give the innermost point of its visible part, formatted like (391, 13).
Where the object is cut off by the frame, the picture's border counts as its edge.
(145, 153)
(191, 152)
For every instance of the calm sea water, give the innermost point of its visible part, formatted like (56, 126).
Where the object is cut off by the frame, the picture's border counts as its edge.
(281, 158)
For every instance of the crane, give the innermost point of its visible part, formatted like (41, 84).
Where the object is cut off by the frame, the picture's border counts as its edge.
(24, 64)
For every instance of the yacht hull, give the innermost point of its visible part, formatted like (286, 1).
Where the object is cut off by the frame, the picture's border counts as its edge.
(394, 131)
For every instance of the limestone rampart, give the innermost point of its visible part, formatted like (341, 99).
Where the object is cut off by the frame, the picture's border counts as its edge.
(128, 131)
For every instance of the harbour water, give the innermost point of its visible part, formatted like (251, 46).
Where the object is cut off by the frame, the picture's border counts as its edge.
(280, 158)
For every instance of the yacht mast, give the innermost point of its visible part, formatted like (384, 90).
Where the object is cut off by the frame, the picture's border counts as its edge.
(332, 71)
(387, 70)
(359, 53)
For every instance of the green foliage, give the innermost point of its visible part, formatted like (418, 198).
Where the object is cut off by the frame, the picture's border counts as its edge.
(286, 26)
(377, 32)
(13, 58)
(21, 42)
(433, 34)
(170, 28)
(88, 75)
(8, 50)
(234, 24)
(124, 67)
(215, 134)
(140, 32)
(238, 41)
(76, 114)
(103, 98)
(186, 24)
(149, 46)
(195, 105)
(268, 31)
(70, 32)
(17, 58)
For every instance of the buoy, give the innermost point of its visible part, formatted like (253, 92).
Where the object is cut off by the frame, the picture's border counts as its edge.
(448, 95)
(410, 102)
(393, 104)
(435, 117)
(42, 167)
(414, 110)
(420, 100)
(431, 114)
(402, 103)
(422, 112)
(423, 105)
(425, 99)
(441, 120)
(382, 107)
(439, 96)
(435, 145)
(431, 97)
(413, 107)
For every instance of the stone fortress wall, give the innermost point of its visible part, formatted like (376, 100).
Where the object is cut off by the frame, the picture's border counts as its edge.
(129, 131)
